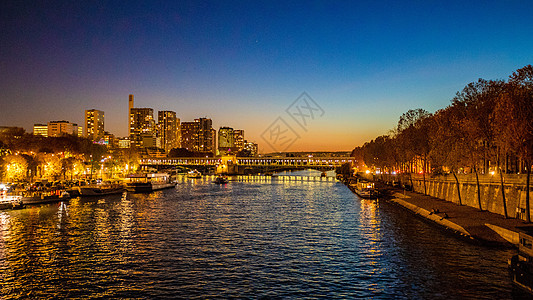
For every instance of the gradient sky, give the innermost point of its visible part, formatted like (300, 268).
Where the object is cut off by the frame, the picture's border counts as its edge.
(242, 63)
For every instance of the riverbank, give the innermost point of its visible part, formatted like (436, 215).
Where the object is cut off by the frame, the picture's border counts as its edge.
(468, 222)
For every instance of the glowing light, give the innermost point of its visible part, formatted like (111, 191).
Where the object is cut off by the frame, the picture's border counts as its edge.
(492, 173)
(367, 172)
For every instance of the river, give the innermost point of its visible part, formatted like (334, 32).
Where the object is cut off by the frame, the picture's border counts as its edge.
(248, 239)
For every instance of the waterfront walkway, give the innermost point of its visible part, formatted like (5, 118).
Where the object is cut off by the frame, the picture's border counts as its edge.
(481, 226)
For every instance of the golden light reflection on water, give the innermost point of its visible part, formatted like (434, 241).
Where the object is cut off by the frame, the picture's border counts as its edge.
(371, 229)
(207, 241)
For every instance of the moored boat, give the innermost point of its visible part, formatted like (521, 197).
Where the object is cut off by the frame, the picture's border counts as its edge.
(364, 189)
(11, 202)
(40, 197)
(100, 189)
(148, 182)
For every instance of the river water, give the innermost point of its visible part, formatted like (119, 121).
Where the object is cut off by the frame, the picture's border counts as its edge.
(248, 239)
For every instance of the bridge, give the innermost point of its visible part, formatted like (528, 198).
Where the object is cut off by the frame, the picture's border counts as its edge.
(232, 164)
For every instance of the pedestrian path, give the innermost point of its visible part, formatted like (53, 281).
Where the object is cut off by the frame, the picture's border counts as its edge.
(483, 226)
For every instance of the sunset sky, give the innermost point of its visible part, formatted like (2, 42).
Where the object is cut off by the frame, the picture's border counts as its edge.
(243, 63)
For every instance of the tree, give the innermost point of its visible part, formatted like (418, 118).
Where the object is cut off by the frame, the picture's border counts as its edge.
(474, 107)
(413, 137)
(514, 121)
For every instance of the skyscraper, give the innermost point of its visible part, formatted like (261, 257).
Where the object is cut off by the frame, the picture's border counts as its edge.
(142, 124)
(238, 135)
(198, 135)
(226, 140)
(189, 135)
(167, 129)
(94, 124)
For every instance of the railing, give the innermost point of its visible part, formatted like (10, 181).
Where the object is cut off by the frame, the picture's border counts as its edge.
(252, 161)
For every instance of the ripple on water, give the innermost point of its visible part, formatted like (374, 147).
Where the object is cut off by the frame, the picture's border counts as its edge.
(243, 239)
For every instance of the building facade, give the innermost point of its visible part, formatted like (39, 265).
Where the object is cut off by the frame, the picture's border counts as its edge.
(251, 148)
(94, 124)
(226, 140)
(142, 124)
(198, 136)
(168, 129)
(238, 137)
(40, 129)
(58, 128)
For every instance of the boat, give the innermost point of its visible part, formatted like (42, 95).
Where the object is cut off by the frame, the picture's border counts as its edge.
(100, 189)
(11, 202)
(521, 264)
(148, 182)
(194, 174)
(364, 189)
(46, 196)
(221, 180)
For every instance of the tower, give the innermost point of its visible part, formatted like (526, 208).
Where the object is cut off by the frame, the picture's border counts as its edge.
(94, 124)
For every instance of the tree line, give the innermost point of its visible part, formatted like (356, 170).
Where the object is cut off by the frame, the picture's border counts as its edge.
(26, 157)
(487, 126)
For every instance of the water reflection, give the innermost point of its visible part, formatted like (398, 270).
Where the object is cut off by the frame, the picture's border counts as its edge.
(285, 239)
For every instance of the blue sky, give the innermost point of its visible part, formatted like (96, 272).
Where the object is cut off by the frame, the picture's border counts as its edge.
(242, 63)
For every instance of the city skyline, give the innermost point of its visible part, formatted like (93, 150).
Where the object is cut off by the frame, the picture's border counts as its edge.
(243, 64)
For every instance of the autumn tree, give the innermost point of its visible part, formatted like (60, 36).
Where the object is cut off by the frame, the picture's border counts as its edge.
(514, 121)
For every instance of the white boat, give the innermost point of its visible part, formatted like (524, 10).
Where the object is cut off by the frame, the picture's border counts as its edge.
(148, 182)
(11, 202)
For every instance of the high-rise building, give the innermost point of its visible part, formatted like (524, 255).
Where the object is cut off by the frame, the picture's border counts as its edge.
(189, 135)
(226, 140)
(251, 148)
(205, 135)
(198, 135)
(58, 128)
(238, 137)
(40, 129)
(142, 124)
(168, 129)
(94, 124)
(130, 102)
(214, 140)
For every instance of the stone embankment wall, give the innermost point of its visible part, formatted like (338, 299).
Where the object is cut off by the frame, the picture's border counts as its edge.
(445, 187)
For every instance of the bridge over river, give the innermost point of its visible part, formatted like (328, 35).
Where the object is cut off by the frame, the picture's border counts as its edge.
(240, 165)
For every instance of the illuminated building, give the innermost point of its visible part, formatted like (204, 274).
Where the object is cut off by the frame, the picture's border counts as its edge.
(251, 147)
(214, 140)
(109, 139)
(238, 135)
(189, 135)
(58, 128)
(142, 124)
(40, 129)
(124, 142)
(198, 136)
(167, 130)
(94, 124)
(205, 135)
(226, 140)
